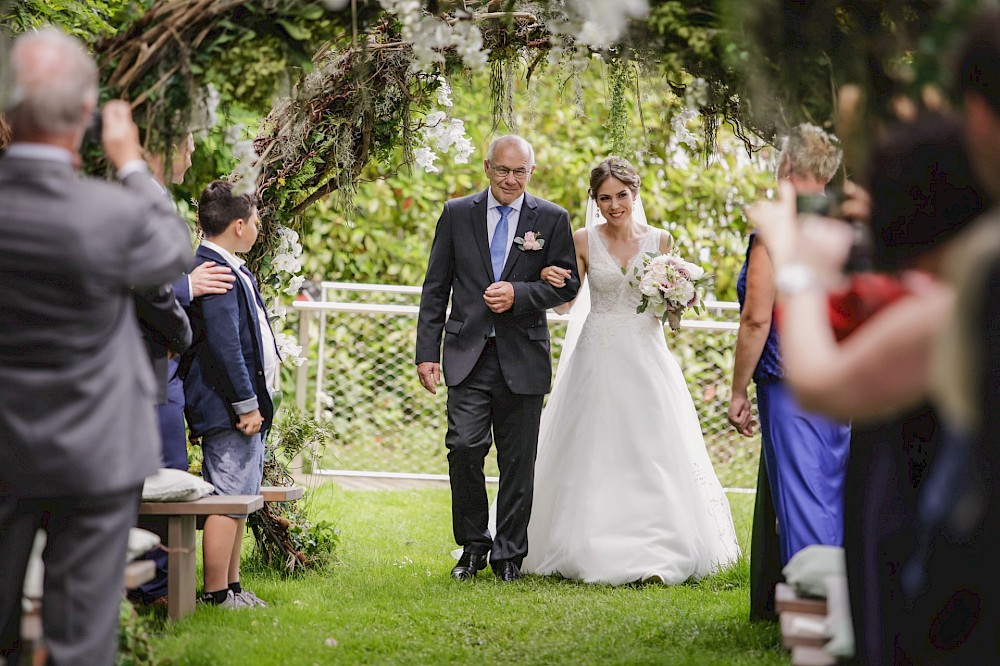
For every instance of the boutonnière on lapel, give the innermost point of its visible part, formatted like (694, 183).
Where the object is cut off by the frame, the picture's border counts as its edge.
(531, 241)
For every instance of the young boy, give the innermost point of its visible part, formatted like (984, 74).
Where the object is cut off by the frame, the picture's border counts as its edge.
(227, 386)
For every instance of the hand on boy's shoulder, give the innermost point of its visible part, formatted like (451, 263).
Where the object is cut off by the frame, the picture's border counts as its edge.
(211, 278)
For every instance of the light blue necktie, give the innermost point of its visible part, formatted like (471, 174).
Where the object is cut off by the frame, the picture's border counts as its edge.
(498, 246)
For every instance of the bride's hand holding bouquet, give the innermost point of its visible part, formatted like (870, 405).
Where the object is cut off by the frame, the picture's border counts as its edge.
(669, 285)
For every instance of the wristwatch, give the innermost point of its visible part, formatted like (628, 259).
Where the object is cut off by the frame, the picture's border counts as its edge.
(795, 279)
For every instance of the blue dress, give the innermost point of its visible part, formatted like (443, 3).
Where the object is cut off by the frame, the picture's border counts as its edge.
(805, 454)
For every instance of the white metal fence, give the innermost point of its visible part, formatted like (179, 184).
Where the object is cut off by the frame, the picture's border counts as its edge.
(362, 381)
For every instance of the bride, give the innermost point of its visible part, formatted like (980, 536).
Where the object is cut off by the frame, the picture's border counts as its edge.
(624, 488)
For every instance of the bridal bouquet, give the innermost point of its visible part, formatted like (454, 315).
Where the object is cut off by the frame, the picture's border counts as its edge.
(669, 286)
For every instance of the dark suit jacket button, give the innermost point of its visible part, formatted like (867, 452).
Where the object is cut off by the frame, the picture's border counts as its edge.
(260, 373)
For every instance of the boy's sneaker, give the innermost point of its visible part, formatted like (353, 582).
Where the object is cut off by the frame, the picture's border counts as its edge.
(231, 602)
(250, 598)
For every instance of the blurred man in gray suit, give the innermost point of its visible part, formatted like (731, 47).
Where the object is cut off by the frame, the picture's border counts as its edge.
(78, 431)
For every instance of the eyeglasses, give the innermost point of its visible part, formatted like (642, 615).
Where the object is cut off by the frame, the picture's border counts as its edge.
(503, 171)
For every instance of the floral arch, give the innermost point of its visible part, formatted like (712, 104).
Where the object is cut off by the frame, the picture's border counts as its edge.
(362, 79)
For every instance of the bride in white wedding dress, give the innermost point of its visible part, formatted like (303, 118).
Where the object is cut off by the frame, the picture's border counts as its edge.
(624, 488)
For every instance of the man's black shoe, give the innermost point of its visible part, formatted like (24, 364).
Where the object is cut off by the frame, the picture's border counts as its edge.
(468, 565)
(507, 570)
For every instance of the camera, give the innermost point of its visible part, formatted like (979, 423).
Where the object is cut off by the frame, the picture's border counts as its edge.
(859, 258)
(92, 135)
(827, 205)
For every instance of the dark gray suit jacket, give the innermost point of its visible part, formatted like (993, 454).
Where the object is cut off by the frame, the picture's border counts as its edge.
(76, 388)
(460, 266)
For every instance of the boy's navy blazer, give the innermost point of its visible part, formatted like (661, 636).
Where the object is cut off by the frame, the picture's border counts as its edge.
(224, 369)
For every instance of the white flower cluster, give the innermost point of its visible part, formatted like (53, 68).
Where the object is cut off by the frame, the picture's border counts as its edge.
(696, 94)
(469, 44)
(695, 98)
(605, 22)
(444, 92)
(679, 125)
(287, 258)
(430, 35)
(288, 349)
(245, 174)
(442, 133)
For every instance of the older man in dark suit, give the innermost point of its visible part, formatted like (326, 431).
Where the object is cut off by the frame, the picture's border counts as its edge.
(77, 419)
(488, 253)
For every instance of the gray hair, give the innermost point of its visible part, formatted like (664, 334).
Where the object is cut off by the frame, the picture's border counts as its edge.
(51, 81)
(511, 138)
(811, 152)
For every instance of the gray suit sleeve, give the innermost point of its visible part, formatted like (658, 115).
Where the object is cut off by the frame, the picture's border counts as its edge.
(436, 291)
(159, 247)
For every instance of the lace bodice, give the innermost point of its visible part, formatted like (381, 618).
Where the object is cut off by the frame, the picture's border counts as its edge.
(610, 292)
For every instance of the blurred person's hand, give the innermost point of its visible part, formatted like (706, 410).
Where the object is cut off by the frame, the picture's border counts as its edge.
(739, 415)
(857, 204)
(775, 221)
(119, 133)
(210, 278)
(821, 243)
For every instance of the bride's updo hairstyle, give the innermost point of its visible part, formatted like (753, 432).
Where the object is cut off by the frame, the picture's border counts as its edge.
(613, 167)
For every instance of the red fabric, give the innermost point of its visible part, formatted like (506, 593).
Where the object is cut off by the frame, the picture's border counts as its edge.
(866, 294)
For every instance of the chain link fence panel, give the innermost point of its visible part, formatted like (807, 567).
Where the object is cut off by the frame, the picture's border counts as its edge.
(363, 383)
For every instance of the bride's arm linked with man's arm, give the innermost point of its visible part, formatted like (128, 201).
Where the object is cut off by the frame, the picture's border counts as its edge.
(542, 294)
(558, 276)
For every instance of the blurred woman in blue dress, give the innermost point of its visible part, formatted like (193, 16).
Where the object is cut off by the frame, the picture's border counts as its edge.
(804, 455)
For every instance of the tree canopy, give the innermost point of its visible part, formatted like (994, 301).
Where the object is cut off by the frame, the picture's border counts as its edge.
(342, 83)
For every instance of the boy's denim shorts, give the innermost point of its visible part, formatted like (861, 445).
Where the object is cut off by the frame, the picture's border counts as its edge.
(233, 463)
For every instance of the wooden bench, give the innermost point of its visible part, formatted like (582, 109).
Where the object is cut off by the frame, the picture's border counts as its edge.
(811, 656)
(803, 621)
(281, 493)
(136, 573)
(181, 545)
(786, 599)
(802, 629)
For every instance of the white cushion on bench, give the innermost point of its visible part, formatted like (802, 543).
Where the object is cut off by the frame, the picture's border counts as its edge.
(35, 573)
(809, 568)
(174, 485)
(140, 542)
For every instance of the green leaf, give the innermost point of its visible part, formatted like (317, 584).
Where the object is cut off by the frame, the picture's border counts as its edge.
(294, 31)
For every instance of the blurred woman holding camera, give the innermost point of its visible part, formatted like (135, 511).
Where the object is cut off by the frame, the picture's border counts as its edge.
(922, 193)
(803, 455)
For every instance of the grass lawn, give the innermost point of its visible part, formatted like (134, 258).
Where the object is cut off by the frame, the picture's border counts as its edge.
(390, 600)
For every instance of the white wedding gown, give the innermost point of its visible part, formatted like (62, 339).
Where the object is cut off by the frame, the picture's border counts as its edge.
(624, 488)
